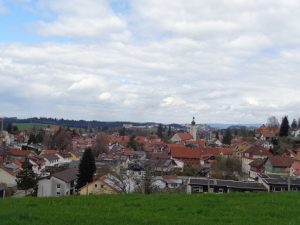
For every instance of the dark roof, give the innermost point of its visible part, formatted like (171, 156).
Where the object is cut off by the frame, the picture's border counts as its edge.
(67, 175)
(161, 162)
(135, 167)
(226, 183)
(257, 163)
(279, 180)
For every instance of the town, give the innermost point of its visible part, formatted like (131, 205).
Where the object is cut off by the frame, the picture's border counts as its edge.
(53, 160)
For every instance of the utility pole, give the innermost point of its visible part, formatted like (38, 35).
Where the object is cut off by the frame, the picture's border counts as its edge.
(208, 184)
(289, 180)
(2, 123)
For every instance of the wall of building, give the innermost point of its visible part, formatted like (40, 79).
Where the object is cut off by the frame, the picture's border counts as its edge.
(7, 179)
(97, 188)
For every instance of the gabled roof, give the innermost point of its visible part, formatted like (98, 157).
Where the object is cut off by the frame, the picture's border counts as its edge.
(257, 150)
(182, 152)
(67, 175)
(51, 157)
(10, 171)
(184, 136)
(112, 182)
(49, 151)
(20, 153)
(258, 163)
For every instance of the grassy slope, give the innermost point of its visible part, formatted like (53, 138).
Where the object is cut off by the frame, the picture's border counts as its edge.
(29, 126)
(275, 209)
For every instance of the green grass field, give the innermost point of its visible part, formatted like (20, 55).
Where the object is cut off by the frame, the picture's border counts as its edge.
(254, 209)
(29, 126)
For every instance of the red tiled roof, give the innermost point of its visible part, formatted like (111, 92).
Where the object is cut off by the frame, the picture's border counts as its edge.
(280, 161)
(182, 152)
(184, 136)
(16, 152)
(128, 152)
(200, 143)
(49, 151)
(169, 177)
(258, 151)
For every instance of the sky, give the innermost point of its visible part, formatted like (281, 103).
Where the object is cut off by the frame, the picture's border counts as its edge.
(221, 61)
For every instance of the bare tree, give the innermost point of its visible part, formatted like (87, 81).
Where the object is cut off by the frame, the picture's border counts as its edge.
(101, 144)
(226, 168)
(273, 122)
(63, 140)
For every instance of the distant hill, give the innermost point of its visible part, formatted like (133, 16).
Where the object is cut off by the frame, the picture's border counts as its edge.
(102, 125)
(83, 124)
(235, 126)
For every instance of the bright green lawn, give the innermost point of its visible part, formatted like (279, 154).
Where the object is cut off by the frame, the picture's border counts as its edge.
(252, 209)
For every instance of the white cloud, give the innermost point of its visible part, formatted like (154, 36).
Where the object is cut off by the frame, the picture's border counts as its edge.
(172, 101)
(77, 18)
(222, 61)
(105, 96)
(252, 101)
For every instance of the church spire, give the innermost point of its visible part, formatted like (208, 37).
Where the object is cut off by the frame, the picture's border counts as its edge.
(193, 122)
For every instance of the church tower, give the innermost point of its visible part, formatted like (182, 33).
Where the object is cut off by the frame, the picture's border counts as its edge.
(193, 129)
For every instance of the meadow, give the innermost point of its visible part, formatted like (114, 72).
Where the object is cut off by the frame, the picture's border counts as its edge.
(206, 209)
(30, 126)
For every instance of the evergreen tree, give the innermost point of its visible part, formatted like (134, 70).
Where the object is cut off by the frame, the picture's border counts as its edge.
(87, 168)
(27, 179)
(9, 128)
(227, 137)
(217, 135)
(160, 131)
(32, 139)
(284, 128)
(170, 131)
(122, 132)
(294, 124)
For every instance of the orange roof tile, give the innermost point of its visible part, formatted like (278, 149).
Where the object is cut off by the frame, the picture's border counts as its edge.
(184, 152)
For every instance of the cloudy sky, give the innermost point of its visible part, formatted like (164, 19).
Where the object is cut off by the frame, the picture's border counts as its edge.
(234, 61)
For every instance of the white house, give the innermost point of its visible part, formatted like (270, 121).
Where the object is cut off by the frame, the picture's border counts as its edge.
(59, 184)
(51, 160)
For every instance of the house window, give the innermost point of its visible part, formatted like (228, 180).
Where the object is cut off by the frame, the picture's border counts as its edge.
(58, 186)
(96, 185)
(58, 193)
(102, 186)
(197, 189)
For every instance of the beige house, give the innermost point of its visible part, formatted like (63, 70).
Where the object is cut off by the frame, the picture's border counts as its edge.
(107, 184)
